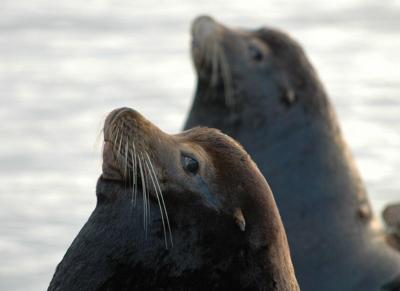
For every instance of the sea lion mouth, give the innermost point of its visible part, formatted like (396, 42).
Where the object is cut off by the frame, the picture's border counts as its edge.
(209, 56)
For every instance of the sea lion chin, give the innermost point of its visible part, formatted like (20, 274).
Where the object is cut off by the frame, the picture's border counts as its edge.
(259, 87)
(188, 211)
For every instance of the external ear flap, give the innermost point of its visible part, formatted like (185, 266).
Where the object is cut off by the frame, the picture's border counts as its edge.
(239, 219)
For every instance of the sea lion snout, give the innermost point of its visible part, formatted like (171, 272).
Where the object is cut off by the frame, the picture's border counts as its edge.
(117, 116)
(127, 139)
(204, 28)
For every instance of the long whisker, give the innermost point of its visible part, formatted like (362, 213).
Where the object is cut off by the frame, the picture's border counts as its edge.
(162, 200)
(214, 63)
(227, 78)
(126, 159)
(158, 200)
(114, 133)
(144, 196)
(135, 172)
(119, 147)
(146, 175)
(114, 137)
(117, 140)
(133, 179)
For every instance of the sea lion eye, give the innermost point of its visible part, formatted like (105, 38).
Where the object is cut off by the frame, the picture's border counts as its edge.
(255, 53)
(190, 164)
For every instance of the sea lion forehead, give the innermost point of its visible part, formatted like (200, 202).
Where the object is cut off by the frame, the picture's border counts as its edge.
(205, 29)
(281, 43)
(214, 141)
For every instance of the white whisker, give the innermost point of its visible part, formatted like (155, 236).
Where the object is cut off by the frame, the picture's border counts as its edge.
(115, 136)
(119, 147)
(133, 180)
(126, 160)
(144, 196)
(146, 175)
(162, 199)
(135, 172)
(214, 64)
(227, 79)
(159, 202)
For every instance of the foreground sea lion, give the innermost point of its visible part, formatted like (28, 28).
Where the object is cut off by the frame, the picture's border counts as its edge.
(259, 87)
(189, 211)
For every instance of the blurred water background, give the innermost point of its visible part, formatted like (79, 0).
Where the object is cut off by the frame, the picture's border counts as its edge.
(65, 64)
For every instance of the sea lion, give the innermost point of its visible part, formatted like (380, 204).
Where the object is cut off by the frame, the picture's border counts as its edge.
(259, 87)
(189, 211)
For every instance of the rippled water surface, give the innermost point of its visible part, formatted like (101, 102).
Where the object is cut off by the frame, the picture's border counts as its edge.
(65, 64)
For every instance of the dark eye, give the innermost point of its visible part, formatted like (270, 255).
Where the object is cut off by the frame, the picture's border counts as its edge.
(255, 53)
(190, 164)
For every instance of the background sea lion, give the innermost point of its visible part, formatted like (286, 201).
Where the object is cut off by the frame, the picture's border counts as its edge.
(391, 216)
(259, 87)
(189, 211)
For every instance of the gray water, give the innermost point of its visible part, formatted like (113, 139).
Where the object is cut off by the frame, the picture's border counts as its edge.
(65, 64)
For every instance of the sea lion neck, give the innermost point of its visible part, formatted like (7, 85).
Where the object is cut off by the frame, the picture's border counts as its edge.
(267, 238)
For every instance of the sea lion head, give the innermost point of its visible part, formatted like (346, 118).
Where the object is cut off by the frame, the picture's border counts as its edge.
(198, 168)
(184, 165)
(261, 72)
